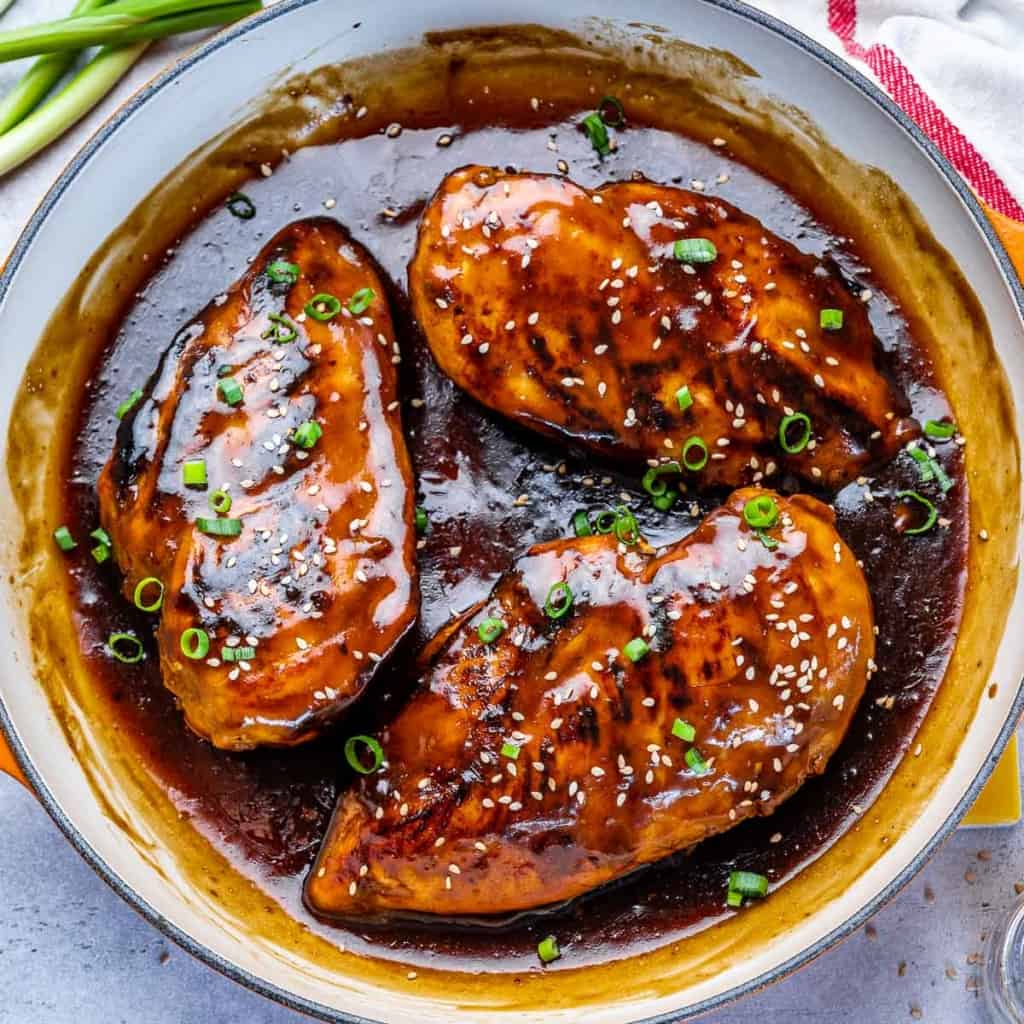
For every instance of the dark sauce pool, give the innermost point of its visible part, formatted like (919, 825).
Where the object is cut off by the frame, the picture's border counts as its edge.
(267, 811)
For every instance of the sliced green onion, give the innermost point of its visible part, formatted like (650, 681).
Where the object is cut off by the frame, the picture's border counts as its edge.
(939, 430)
(581, 524)
(241, 206)
(220, 527)
(789, 445)
(510, 750)
(62, 535)
(128, 404)
(307, 434)
(220, 502)
(101, 535)
(696, 762)
(694, 250)
(612, 112)
(490, 629)
(593, 125)
(100, 553)
(237, 653)
(547, 949)
(761, 512)
(653, 483)
(193, 473)
(626, 528)
(126, 648)
(604, 521)
(734, 899)
(636, 649)
(281, 330)
(684, 398)
(283, 272)
(421, 519)
(683, 731)
(559, 601)
(831, 319)
(695, 463)
(748, 883)
(323, 307)
(361, 301)
(931, 514)
(924, 464)
(230, 390)
(194, 643)
(945, 483)
(663, 502)
(355, 761)
(139, 598)
(769, 542)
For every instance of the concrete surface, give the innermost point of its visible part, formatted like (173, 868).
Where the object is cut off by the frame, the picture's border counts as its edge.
(72, 953)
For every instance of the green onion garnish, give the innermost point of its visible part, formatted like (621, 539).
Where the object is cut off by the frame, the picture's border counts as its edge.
(653, 483)
(125, 647)
(361, 301)
(237, 653)
(695, 463)
(791, 445)
(283, 272)
(593, 125)
(355, 762)
(581, 524)
(683, 731)
(636, 649)
(156, 602)
(281, 330)
(194, 643)
(604, 521)
(559, 601)
(931, 514)
(626, 528)
(547, 949)
(128, 404)
(220, 502)
(696, 762)
(490, 629)
(307, 434)
(663, 502)
(510, 750)
(421, 519)
(694, 250)
(101, 535)
(748, 883)
(734, 898)
(684, 398)
(945, 483)
(323, 307)
(193, 473)
(62, 535)
(761, 512)
(831, 319)
(924, 464)
(219, 527)
(230, 390)
(939, 430)
(769, 542)
(100, 553)
(241, 206)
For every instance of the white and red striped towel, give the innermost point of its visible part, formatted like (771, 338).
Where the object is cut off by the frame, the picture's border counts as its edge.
(955, 66)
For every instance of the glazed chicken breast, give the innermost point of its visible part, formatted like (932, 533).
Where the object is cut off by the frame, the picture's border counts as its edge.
(606, 707)
(650, 323)
(262, 478)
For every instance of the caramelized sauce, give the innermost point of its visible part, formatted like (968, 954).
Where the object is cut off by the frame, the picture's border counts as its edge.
(268, 810)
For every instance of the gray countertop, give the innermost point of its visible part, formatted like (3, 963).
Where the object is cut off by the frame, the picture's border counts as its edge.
(71, 951)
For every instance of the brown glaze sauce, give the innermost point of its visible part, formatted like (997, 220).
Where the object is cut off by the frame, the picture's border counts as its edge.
(267, 811)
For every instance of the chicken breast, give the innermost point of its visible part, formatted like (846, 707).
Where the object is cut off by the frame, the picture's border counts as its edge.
(571, 312)
(293, 417)
(676, 696)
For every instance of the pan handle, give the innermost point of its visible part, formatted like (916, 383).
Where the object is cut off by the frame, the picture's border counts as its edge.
(7, 763)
